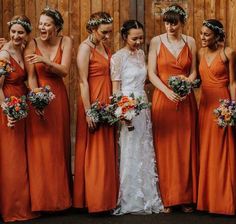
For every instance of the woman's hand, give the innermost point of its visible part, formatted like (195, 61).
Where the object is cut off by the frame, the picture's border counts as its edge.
(91, 124)
(10, 122)
(34, 58)
(171, 95)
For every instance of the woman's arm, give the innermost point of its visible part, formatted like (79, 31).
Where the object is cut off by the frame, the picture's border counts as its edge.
(83, 57)
(61, 69)
(32, 78)
(154, 79)
(231, 55)
(193, 71)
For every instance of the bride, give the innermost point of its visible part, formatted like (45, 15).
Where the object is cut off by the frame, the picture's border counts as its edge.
(138, 178)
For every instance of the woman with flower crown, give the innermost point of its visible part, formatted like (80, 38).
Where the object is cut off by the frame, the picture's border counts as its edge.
(48, 60)
(174, 118)
(95, 181)
(138, 191)
(14, 183)
(217, 174)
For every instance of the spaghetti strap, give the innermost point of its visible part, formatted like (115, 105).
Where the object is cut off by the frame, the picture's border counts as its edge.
(160, 38)
(185, 41)
(225, 54)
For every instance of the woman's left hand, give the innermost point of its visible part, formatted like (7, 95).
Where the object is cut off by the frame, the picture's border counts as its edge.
(34, 58)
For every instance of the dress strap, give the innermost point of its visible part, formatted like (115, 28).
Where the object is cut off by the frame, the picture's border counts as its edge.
(185, 41)
(225, 55)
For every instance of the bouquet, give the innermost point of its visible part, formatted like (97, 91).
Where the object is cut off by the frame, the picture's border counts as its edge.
(123, 108)
(181, 86)
(5, 67)
(41, 97)
(226, 113)
(15, 108)
(95, 112)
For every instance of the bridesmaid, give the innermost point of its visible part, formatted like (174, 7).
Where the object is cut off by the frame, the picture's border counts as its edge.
(174, 118)
(95, 185)
(217, 177)
(48, 60)
(14, 183)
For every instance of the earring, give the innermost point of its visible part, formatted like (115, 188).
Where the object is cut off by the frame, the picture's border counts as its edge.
(92, 39)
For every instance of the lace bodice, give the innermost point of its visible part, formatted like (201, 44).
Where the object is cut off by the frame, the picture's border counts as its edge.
(129, 68)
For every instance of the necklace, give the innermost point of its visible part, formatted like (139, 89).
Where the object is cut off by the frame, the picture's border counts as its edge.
(175, 47)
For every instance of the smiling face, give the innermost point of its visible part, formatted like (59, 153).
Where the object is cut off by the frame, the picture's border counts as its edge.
(17, 34)
(47, 28)
(207, 37)
(103, 32)
(134, 39)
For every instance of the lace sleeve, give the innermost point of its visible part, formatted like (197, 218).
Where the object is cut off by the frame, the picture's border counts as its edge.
(116, 67)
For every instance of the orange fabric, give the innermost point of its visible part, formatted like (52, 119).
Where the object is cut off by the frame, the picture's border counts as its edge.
(14, 184)
(49, 145)
(217, 176)
(174, 133)
(95, 182)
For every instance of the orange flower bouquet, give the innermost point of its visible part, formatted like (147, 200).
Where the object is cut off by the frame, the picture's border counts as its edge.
(16, 108)
(226, 113)
(41, 97)
(124, 108)
(5, 67)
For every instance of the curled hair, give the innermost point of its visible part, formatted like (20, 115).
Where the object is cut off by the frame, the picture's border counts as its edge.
(128, 25)
(55, 15)
(174, 13)
(98, 18)
(217, 27)
(21, 20)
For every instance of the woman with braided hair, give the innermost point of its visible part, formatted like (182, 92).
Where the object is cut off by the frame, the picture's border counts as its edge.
(217, 174)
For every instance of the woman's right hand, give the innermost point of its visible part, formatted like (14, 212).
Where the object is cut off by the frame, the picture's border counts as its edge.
(171, 95)
(91, 124)
(10, 122)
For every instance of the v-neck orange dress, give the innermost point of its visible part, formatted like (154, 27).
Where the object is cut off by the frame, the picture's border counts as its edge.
(174, 133)
(95, 181)
(14, 183)
(49, 145)
(217, 174)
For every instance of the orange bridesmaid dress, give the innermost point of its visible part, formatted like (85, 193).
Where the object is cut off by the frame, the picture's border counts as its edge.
(49, 145)
(174, 133)
(217, 174)
(95, 182)
(14, 183)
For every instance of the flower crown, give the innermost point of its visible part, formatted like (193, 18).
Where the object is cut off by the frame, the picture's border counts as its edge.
(218, 29)
(53, 11)
(25, 24)
(97, 22)
(175, 9)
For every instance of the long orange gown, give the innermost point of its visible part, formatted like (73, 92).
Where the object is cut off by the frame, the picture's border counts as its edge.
(14, 183)
(217, 174)
(95, 182)
(49, 145)
(174, 133)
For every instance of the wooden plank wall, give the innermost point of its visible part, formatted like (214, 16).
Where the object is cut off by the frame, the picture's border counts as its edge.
(77, 12)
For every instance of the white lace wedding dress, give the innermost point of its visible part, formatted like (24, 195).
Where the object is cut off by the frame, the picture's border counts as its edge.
(138, 192)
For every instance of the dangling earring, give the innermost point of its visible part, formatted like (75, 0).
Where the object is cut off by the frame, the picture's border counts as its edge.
(92, 39)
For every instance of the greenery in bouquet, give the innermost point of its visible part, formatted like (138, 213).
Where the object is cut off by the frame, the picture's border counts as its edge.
(5, 67)
(182, 86)
(95, 112)
(123, 108)
(14, 107)
(41, 97)
(226, 113)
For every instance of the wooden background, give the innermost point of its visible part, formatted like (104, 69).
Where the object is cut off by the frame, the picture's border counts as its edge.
(77, 12)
